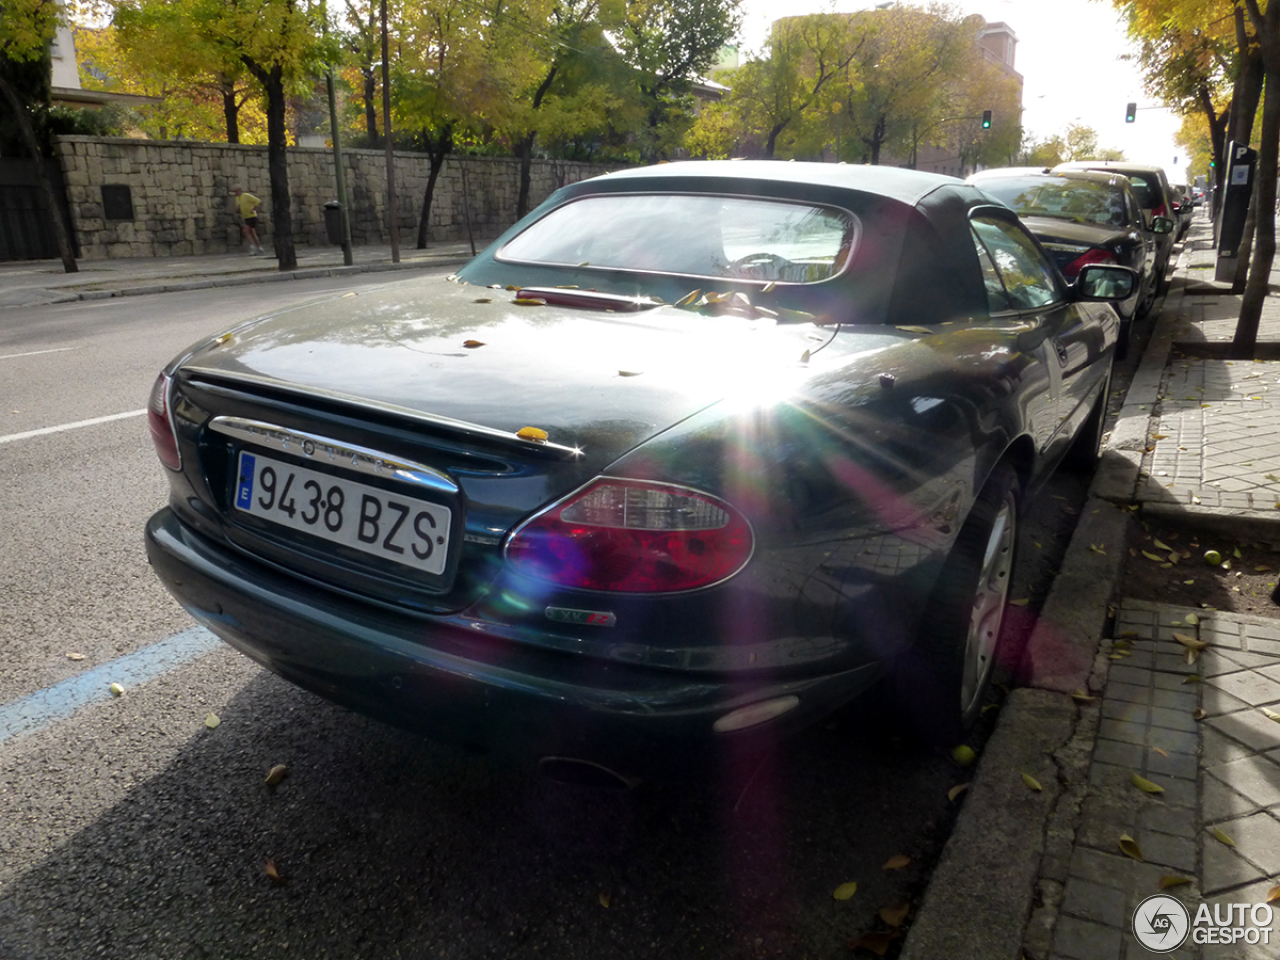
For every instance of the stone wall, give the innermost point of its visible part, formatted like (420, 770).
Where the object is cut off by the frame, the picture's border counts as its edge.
(180, 192)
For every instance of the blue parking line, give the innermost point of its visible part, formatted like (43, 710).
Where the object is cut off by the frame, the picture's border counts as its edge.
(39, 709)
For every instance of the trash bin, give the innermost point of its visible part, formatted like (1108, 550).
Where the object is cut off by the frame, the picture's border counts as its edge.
(333, 221)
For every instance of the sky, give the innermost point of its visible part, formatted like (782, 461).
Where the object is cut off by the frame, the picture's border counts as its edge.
(1072, 57)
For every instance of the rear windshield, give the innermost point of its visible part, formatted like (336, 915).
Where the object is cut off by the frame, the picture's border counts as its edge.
(1080, 200)
(742, 238)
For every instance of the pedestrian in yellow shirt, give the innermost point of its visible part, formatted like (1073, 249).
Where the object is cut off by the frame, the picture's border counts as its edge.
(247, 204)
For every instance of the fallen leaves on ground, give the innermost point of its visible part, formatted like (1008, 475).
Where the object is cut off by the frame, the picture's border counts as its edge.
(75, 656)
(896, 914)
(1222, 837)
(1170, 880)
(1199, 713)
(276, 774)
(116, 690)
(1031, 782)
(1273, 894)
(1081, 697)
(605, 899)
(963, 755)
(896, 862)
(845, 890)
(273, 871)
(955, 791)
(1129, 847)
(877, 943)
(212, 721)
(1145, 785)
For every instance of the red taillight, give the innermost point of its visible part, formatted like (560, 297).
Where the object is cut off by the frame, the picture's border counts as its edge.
(161, 423)
(634, 536)
(1091, 256)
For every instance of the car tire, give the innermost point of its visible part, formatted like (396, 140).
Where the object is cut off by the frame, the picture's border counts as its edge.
(941, 682)
(1086, 449)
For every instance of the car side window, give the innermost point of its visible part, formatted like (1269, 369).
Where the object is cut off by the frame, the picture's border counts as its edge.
(1029, 278)
(997, 295)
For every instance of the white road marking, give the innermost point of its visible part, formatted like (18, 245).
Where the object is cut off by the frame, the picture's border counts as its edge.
(71, 426)
(35, 353)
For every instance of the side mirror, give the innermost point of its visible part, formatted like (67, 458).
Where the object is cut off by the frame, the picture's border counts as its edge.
(1161, 225)
(1105, 282)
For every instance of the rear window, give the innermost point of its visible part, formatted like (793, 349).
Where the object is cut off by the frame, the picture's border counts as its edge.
(1079, 200)
(741, 238)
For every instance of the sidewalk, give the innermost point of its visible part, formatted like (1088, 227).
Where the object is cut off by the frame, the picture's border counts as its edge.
(26, 283)
(1041, 874)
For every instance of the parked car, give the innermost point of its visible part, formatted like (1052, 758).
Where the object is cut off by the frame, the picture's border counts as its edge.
(1151, 186)
(689, 457)
(1084, 217)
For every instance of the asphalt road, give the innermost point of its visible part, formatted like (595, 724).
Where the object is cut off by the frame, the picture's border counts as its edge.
(130, 829)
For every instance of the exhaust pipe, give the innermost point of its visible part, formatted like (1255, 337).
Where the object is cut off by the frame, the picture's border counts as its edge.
(584, 773)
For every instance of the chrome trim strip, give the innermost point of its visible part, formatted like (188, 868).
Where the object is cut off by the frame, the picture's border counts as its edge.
(461, 426)
(349, 456)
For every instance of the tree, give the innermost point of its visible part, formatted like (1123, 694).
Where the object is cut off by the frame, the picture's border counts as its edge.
(782, 101)
(133, 56)
(26, 29)
(668, 44)
(439, 82)
(1081, 141)
(276, 41)
(361, 38)
(906, 59)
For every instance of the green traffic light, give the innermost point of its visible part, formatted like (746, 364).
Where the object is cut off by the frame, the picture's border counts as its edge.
(1131, 113)
(986, 119)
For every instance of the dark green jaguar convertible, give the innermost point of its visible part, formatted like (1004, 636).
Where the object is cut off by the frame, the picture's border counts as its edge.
(688, 458)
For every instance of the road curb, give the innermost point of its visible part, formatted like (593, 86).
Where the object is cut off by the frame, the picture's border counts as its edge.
(980, 895)
(71, 295)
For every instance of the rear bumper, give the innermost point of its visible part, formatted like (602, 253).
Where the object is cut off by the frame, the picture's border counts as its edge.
(453, 680)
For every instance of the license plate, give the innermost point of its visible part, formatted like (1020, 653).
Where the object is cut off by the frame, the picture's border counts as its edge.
(396, 528)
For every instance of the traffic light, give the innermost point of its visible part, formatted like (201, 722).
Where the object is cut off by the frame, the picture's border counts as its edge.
(986, 119)
(1130, 113)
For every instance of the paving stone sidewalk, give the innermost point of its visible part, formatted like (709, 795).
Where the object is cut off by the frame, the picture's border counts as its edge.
(1207, 732)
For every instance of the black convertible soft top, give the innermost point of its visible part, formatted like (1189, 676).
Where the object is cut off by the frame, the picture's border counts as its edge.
(916, 264)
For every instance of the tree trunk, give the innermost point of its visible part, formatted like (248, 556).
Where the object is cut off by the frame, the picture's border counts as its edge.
(370, 105)
(230, 111)
(1264, 253)
(524, 150)
(437, 150)
(278, 167)
(65, 250)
